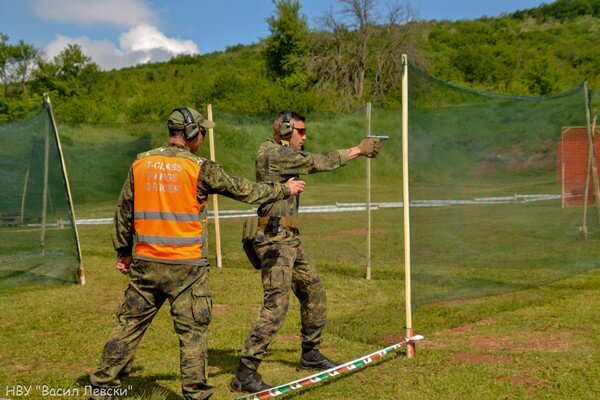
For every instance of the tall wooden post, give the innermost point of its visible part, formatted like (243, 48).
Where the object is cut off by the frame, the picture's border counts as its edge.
(45, 187)
(81, 274)
(410, 348)
(368, 185)
(215, 198)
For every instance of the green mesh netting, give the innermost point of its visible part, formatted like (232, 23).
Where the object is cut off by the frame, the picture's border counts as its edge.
(37, 231)
(487, 215)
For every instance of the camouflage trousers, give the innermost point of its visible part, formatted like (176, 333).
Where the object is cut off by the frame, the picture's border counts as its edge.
(285, 268)
(150, 285)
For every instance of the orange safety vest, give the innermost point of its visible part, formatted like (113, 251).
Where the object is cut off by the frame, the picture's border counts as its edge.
(169, 221)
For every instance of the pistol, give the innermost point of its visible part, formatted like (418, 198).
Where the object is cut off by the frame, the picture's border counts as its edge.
(380, 137)
(273, 224)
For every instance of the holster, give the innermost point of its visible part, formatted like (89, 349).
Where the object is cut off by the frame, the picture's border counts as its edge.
(273, 224)
(248, 235)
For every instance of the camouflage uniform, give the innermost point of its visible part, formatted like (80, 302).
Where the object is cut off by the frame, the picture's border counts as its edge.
(285, 264)
(185, 286)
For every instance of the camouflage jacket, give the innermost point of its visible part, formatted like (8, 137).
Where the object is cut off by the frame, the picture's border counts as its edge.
(212, 179)
(278, 163)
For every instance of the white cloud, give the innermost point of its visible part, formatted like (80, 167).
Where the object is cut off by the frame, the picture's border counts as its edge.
(141, 44)
(122, 13)
(147, 37)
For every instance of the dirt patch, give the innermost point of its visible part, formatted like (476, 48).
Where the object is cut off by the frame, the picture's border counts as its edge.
(289, 338)
(219, 310)
(466, 337)
(532, 342)
(455, 336)
(531, 384)
(389, 340)
(477, 358)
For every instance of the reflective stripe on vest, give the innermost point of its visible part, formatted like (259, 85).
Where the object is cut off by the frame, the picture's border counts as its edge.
(167, 217)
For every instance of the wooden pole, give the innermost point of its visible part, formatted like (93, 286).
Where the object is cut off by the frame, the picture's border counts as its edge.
(586, 192)
(23, 197)
(45, 187)
(562, 177)
(410, 348)
(562, 170)
(595, 170)
(80, 274)
(368, 262)
(215, 198)
(591, 154)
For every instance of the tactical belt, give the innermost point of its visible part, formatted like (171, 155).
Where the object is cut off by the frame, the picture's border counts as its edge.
(285, 222)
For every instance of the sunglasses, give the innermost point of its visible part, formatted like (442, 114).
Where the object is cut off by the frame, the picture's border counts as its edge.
(301, 131)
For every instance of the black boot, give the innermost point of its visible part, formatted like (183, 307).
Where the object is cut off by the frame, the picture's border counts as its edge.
(247, 380)
(313, 359)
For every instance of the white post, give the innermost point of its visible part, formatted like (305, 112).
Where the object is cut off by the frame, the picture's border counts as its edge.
(211, 143)
(410, 348)
(368, 261)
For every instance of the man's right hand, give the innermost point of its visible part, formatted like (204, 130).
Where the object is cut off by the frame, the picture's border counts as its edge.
(124, 264)
(369, 147)
(296, 186)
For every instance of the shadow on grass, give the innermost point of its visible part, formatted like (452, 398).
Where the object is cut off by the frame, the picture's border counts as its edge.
(227, 361)
(143, 386)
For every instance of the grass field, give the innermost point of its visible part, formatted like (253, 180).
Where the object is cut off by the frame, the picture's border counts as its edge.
(507, 294)
(540, 342)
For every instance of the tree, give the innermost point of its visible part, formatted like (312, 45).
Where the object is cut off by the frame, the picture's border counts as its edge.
(541, 77)
(288, 43)
(17, 64)
(4, 56)
(70, 73)
(357, 46)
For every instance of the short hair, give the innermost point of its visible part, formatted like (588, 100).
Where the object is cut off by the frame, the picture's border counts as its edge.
(294, 116)
(175, 132)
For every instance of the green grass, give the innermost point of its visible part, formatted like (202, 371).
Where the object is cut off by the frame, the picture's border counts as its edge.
(540, 342)
(507, 294)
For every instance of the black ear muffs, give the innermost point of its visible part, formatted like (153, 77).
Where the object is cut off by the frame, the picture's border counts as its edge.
(286, 128)
(190, 127)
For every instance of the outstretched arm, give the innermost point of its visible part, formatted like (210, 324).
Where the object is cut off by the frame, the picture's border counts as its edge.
(293, 162)
(215, 180)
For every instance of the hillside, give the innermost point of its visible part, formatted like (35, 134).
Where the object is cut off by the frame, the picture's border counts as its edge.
(542, 51)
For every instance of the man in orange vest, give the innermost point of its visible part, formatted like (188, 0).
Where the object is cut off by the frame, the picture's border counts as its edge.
(162, 209)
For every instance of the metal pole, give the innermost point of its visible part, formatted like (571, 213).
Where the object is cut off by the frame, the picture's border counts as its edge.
(368, 262)
(410, 348)
(215, 198)
(81, 274)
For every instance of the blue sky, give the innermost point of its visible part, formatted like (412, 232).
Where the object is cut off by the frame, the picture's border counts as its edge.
(119, 33)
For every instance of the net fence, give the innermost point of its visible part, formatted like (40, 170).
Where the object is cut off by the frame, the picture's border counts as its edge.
(486, 196)
(37, 234)
(488, 215)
